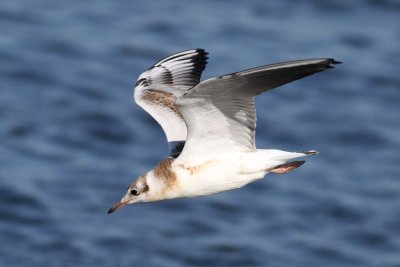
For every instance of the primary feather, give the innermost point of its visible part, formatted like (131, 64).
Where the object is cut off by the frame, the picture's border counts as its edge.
(157, 89)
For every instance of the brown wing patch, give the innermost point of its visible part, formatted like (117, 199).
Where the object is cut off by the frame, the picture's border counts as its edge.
(161, 98)
(164, 171)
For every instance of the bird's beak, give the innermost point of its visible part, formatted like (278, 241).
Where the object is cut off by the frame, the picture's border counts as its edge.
(117, 206)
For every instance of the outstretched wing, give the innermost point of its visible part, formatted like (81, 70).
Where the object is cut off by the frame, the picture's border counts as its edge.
(220, 113)
(157, 89)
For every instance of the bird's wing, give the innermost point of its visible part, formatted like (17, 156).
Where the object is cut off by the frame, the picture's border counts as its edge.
(159, 86)
(220, 113)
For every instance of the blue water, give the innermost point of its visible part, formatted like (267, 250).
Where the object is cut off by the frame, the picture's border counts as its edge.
(71, 140)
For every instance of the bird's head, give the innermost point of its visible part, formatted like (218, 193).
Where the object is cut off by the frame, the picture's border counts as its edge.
(158, 184)
(140, 190)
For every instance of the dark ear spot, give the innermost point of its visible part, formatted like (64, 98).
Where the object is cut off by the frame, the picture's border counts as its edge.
(145, 188)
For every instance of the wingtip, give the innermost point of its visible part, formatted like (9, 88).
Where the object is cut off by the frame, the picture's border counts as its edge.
(310, 152)
(203, 57)
(201, 50)
(333, 62)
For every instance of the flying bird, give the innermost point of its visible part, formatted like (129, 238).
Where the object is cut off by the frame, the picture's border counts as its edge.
(210, 126)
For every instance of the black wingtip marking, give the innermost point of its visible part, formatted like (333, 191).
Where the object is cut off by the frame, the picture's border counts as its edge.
(202, 56)
(198, 58)
(199, 62)
(309, 152)
(333, 62)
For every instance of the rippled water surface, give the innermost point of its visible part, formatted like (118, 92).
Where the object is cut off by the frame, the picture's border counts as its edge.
(71, 140)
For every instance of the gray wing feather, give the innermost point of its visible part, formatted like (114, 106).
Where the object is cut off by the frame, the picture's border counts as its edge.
(220, 113)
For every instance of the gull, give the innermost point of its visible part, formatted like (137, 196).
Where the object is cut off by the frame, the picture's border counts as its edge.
(210, 126)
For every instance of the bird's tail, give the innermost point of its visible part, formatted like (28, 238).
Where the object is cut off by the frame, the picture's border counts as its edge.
(273, 160)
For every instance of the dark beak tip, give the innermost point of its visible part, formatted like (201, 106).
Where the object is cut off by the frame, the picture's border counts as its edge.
(111, 210)
(116, 206)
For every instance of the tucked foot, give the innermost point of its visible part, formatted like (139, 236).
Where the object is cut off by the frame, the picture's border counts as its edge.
(287, 167)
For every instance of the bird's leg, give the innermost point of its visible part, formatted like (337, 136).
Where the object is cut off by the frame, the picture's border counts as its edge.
(287, 167)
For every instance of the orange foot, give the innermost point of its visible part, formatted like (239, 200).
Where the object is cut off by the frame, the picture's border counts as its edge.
(287, 167)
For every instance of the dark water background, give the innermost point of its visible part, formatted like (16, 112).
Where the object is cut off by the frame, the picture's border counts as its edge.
(71, 140)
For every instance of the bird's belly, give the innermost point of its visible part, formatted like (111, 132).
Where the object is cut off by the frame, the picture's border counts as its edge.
(216, 177)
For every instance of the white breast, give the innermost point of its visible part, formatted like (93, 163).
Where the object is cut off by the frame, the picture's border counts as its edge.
(216, 175)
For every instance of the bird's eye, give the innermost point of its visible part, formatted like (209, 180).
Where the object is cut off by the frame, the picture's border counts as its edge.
(134, 192)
